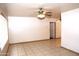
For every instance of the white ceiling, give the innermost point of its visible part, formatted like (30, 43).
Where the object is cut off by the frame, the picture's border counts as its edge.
(30, 9)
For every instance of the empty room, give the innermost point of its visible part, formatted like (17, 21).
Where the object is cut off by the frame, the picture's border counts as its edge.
(39, 29)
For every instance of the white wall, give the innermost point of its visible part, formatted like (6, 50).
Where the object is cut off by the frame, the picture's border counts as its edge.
(58, 29)
(3, 32)
(23, 29)
(70, 30)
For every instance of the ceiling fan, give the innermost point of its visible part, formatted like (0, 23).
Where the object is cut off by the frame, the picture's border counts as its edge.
(42, 14)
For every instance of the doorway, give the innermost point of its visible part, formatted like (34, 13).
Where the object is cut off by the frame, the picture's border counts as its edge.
(52, 30)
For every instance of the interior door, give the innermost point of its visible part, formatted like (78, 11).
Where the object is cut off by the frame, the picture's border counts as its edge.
(52, 30)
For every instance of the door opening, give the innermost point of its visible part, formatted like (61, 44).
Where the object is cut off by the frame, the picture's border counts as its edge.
(52, 30)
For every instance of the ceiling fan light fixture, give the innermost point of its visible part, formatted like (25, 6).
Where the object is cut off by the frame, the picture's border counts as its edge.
(41, 13)
(41, 16)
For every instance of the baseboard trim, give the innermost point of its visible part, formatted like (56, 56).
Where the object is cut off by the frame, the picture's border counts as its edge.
(5, 49)
(70, 50)
(29, 41)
